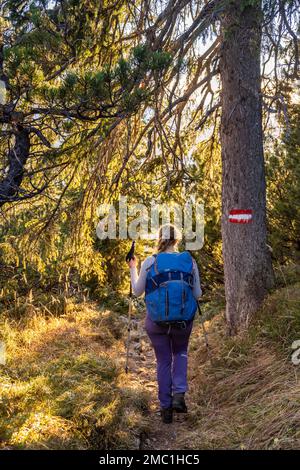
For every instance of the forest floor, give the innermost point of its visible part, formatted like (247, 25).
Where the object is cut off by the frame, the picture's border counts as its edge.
(142, 370)
(244, 396)
(63, 385)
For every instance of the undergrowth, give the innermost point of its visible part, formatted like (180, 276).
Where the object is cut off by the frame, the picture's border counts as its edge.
(248, 396)
(63, 385)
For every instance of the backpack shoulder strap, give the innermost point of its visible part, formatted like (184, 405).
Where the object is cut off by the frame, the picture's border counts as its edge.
(154, 264)
(187, 251)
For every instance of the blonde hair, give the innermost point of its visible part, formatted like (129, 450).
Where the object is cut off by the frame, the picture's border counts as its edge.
(168, 236)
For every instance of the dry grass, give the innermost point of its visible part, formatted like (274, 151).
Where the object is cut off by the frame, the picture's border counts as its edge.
(249, 398)
(63, 385)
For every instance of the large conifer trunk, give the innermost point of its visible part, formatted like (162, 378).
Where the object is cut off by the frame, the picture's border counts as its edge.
(247, 261)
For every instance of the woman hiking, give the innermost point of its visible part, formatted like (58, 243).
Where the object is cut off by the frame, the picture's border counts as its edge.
(171, 283)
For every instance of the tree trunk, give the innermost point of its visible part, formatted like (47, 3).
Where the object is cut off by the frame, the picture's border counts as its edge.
(19, 153)
(247, 260)
(17, 157)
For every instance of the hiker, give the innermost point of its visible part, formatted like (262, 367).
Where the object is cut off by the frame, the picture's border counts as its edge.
(171, 283)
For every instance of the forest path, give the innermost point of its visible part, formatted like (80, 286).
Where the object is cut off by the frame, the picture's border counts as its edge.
(142, 370)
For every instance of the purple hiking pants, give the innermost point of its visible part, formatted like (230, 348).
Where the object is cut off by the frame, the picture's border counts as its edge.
(170, 346)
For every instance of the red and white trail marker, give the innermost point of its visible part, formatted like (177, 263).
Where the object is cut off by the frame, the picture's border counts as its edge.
(240, 216)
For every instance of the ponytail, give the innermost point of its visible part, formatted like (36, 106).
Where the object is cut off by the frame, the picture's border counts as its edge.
(168, 236)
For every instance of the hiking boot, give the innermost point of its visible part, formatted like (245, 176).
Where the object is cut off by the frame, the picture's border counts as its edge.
(166, 415)
(178, 403)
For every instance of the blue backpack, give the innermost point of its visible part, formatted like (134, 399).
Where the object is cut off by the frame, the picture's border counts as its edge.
(168, 293)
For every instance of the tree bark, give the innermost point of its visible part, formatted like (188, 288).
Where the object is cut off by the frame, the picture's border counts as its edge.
(247, 260)
(17, 157)
(19, 153)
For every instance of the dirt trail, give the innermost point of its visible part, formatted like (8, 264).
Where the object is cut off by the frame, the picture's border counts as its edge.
(143, 373)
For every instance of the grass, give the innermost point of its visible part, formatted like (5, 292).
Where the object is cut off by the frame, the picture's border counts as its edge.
(63, 385)
(249, 397)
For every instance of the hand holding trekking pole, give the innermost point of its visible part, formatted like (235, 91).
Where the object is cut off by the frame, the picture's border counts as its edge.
(130, 255)
(130, 259)
(132, 262)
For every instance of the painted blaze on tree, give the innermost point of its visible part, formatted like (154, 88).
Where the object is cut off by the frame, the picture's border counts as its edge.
(247, 261)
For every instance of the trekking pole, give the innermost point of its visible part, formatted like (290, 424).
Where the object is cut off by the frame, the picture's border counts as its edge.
(129, 256)
(204, 331)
